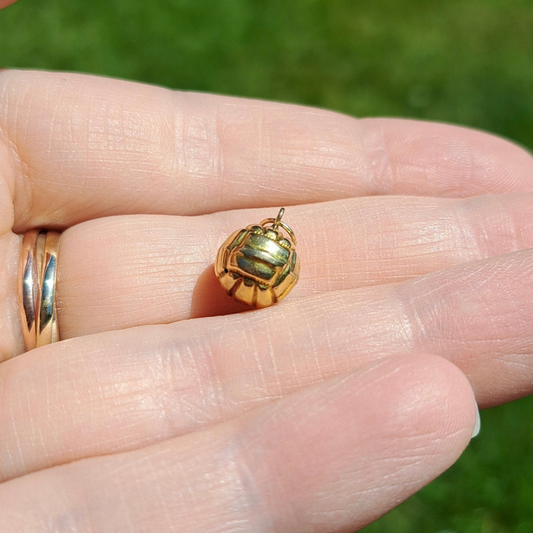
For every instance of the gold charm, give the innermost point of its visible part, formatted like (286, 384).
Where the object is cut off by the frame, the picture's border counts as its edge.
(258, 265)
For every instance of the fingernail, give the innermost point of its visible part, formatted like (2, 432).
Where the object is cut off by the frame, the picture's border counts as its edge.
(477, 425)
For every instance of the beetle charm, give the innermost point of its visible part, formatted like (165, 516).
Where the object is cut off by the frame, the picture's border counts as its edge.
(258, 265)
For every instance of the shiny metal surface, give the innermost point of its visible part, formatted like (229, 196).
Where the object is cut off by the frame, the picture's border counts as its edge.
(47, 328)
(37, 283)
(28, 288)
(258, 265)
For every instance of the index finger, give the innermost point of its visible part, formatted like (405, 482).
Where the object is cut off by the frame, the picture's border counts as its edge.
(79, 147)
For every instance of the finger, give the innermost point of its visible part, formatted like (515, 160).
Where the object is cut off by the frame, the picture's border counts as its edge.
(84, 147)
(120, 272)
(333, 457)
(123, 272)
(124, 389)
(5, 3)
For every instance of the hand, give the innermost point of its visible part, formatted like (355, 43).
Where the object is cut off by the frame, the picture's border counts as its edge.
(5, 3)
(319, 414)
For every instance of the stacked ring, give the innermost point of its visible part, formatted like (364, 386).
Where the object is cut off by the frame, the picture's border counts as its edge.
(37, 283)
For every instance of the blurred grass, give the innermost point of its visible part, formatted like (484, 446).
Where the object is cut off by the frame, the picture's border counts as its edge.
(462, 61)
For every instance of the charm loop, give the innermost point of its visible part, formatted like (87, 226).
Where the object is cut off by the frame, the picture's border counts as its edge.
(276, 222)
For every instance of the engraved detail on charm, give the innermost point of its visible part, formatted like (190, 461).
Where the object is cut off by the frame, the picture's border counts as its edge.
(258, 265)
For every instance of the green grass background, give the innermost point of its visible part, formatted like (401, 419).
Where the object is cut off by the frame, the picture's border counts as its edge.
(462, 61)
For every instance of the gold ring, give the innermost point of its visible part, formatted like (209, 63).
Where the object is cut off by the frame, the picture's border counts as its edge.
(37, 284)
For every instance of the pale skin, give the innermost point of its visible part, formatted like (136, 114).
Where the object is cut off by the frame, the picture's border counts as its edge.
(168, 408)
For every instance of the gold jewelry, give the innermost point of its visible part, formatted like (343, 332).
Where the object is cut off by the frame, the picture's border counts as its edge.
(28, 288)
(37, 284)
(258, 265)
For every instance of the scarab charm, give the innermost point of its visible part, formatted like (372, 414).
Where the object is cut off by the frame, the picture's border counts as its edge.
(258, 265)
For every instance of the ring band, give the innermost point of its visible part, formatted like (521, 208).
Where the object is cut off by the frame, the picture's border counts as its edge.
(28, 288)
(37, 283)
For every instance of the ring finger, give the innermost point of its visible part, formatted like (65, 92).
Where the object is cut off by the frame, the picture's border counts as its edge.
(135, 270)
(120, 272)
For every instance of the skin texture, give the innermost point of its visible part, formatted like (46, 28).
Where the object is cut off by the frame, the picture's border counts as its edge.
(272, 470)
(167, 407)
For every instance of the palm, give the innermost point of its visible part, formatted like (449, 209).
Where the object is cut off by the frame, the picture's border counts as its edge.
(319, 414)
